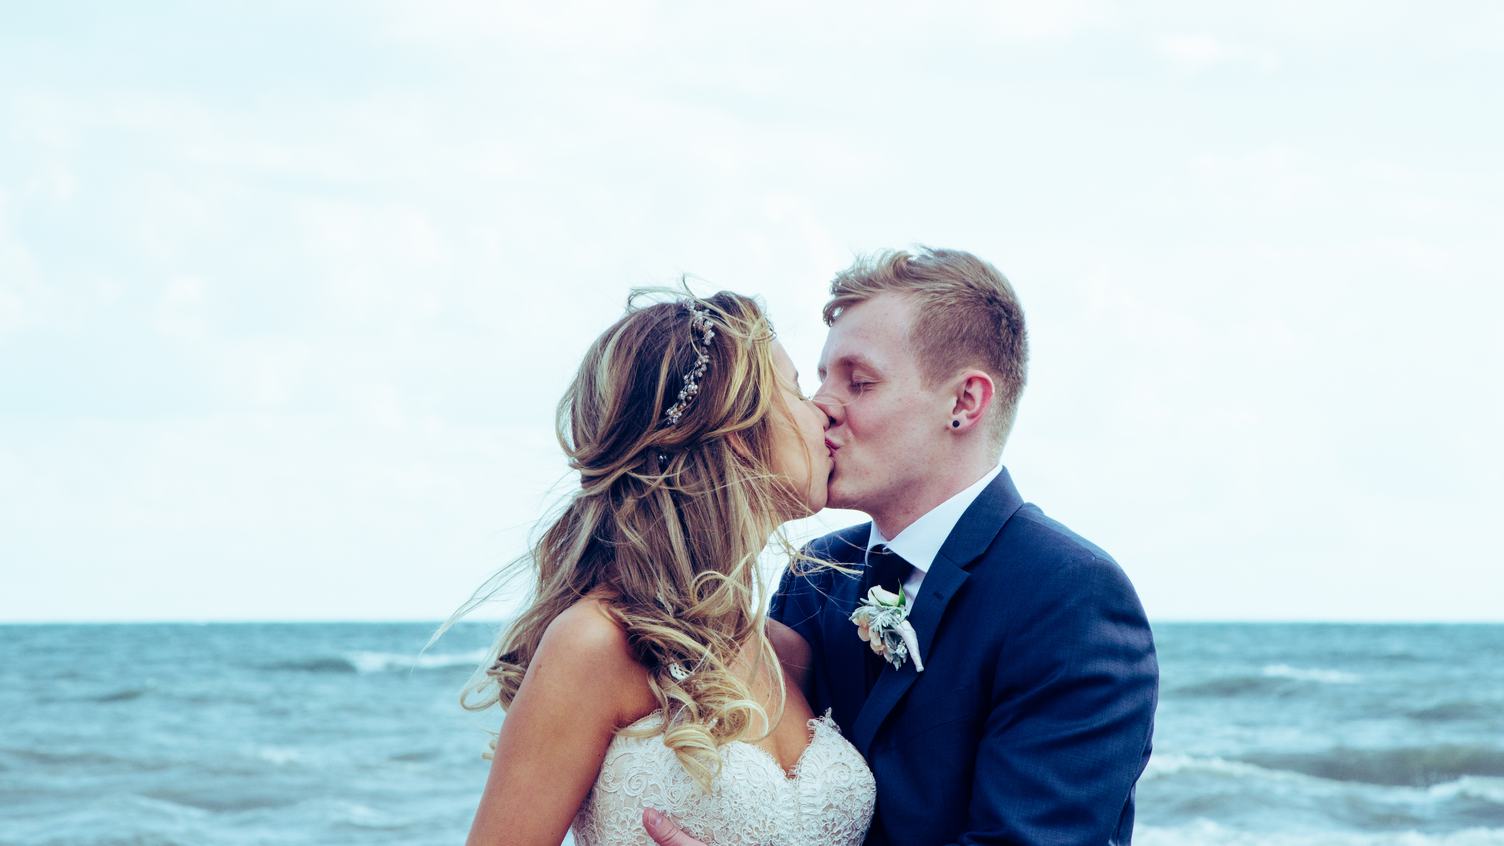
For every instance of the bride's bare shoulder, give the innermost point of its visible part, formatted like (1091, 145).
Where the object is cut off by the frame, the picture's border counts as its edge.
(585, 642)
(793, 651)
(586, 632)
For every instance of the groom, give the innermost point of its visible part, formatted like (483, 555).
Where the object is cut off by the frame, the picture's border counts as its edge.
(1031, 720)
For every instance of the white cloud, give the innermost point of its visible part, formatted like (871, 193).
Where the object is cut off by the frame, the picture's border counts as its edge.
(179, 313)
(1194, 51)
(18, 283)
(590, 31)
(1200, 51)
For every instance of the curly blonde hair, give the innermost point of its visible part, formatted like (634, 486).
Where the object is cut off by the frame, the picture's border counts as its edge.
(669, 518)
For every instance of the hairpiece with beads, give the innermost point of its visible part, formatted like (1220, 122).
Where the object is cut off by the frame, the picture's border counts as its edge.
(701, 325)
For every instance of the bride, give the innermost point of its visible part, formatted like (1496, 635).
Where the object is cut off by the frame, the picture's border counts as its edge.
(645, 674)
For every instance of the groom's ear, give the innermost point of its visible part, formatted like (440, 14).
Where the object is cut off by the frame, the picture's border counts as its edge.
(973, 396)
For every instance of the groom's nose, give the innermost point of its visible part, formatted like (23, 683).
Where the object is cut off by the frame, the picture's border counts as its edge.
(828, 404)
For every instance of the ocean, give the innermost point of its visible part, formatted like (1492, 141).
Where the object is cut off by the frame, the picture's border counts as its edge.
(146, 734)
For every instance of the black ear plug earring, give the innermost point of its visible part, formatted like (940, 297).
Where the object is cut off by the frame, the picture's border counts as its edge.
(955, 424)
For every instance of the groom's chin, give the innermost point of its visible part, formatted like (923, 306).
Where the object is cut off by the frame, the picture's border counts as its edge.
(834, 496)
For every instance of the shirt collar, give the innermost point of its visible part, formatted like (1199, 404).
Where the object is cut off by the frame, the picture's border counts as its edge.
(920, 542)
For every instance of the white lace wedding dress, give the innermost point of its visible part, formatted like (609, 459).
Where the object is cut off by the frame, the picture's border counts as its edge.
(826, 801)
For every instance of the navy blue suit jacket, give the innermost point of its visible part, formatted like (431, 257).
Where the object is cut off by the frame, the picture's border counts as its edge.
(1032, 720)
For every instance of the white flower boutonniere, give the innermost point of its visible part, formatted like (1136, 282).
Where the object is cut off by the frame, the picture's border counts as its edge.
(882, 620)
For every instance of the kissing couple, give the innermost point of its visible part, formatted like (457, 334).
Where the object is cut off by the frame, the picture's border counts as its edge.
(960, 670)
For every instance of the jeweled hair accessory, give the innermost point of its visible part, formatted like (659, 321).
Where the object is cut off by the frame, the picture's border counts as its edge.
(699, 323)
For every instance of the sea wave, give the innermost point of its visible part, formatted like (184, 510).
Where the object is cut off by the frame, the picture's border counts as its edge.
(360, 815)
(123, 695)
(1272, 679)
(223, 798)
(1410, 766)
(1202, 832)
(1168, 765)
(66, 758)
(1323, 676)
(1484, 788)
(379, 662)
(322, 664)
(1471, 787)
(279, 755)
(116, 819)
(1459, 710)
(170, 803)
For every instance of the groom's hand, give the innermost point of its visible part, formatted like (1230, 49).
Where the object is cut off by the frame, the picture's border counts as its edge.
(664, 832)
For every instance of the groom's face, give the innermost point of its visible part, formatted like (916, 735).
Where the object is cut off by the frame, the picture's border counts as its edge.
(885, 425)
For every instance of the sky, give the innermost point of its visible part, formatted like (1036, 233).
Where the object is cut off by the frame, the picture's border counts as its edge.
(289, 291)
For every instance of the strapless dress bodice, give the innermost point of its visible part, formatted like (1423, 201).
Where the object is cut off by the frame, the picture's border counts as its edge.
(827, 800)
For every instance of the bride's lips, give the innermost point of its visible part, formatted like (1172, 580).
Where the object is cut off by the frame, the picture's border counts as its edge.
(831, 447)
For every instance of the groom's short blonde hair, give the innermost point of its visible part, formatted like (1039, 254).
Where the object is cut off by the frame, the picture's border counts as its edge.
(966, 316)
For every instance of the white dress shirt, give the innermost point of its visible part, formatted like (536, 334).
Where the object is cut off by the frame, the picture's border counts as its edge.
(920, 542)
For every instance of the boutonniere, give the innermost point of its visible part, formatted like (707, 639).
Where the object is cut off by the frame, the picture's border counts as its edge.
(882, 620)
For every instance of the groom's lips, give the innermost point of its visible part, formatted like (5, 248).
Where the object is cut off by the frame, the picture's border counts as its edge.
(831, 446)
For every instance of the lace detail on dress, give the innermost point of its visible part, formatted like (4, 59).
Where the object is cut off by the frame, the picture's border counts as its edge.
(827, 799)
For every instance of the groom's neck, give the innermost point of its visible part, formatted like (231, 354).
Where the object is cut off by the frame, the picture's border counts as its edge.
(899, 508)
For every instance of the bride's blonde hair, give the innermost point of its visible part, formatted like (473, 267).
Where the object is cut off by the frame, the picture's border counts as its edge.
(669, 518)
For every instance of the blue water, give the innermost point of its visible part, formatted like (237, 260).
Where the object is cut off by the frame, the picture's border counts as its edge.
(340, 733)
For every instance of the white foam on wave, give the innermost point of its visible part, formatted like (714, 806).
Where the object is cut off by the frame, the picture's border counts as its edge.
(1285, 671)
(1489, 789)
(347, 812)
(153, 807)
(380, 662)
(1162, 765)
(92, 817)
(279, 755)
(1203, 831)
(1479, 788)
(364, 816)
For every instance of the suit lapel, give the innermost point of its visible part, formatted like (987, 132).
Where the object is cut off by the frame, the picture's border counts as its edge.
(940, 585)
(948, 572)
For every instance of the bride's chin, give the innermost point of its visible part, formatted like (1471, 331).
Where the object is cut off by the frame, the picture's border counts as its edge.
(806, 509)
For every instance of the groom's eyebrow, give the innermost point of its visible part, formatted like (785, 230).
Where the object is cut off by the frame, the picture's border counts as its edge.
(849, 362)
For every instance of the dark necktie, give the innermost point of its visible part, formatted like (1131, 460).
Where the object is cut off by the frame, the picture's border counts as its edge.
(888, 570)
